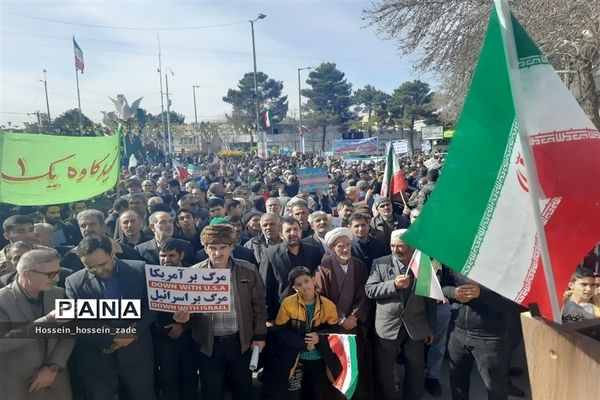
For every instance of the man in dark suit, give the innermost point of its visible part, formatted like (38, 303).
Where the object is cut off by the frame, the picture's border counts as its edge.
(105, 365)
(280, 259)
(403, 320)
(161, 224)
(320, 224)
(91, 223)
(271, 230)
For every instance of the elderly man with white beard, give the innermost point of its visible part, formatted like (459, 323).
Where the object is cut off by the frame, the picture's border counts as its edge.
(342, 278)
(403, 321)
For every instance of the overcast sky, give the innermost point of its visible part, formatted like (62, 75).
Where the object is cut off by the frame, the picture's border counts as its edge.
(36, 35)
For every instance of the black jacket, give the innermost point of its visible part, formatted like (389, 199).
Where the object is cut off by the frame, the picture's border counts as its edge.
(372, 250)
(149, 251)
(314, 241)
(487, 315)
(274, 269)
(73, 262)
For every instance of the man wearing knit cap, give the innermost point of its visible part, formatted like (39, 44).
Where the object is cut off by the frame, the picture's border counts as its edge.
(386, 221)
(252, 223)
(226, 339)
(239, 252)
(403, 320)
(342, 278)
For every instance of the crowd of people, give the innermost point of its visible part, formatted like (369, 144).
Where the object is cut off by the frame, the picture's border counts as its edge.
(302, 265)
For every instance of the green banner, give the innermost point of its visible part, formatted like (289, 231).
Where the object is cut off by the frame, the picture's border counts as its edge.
(47, 169)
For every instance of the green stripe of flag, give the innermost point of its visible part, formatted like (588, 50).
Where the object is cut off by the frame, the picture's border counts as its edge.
(354, 367)
(423, 285)
(475, 157)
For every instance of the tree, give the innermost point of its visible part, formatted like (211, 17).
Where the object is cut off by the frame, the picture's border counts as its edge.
(411, 101)
(447, 36)
(67, 124)
(328, 98)
(373, 102)
(243, 98)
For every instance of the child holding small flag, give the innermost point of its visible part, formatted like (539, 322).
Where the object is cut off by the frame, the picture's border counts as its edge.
(296, 341)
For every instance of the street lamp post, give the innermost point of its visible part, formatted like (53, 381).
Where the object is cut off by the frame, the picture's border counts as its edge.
(47, 103)
(300, 108)
(169, 137)
(195, 111)
(260, 16)
(196, 115)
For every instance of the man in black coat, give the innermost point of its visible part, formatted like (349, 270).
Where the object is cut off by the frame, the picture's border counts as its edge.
(280, 259)
(161, 224)
(365, 246)
(105, 365)
(91, 223)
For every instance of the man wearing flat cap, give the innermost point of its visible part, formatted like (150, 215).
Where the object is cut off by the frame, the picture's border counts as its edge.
(386, 221)
(403, 320)
(226, 339)
(342, 278)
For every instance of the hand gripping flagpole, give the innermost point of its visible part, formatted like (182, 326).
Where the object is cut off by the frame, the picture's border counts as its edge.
(534, 190)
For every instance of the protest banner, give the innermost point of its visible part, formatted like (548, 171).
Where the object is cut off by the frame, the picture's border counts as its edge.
(432, 132)
(40, 169)
(400, 146)
(356, 147)
(193, 289)
(313, 179)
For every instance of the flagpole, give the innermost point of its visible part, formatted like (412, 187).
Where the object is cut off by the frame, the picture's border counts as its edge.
(78, 96)
(534, 190)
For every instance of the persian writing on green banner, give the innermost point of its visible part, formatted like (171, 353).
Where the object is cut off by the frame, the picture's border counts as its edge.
(48, 169)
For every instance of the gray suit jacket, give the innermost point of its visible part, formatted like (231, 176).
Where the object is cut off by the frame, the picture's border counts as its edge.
(397, 307)
(21, 358)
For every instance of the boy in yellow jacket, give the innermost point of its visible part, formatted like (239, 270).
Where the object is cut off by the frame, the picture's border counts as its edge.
(299, 318)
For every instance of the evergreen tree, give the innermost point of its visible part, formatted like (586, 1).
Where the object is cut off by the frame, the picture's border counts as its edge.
(328, 98)
(243, 98)
(373, 102)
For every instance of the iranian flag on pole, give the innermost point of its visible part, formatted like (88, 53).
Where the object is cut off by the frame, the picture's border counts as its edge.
(267, 118)
(394, 180)
(427, 282)
(344, 348)
(79, 64)
(521, 178)
(182, 171)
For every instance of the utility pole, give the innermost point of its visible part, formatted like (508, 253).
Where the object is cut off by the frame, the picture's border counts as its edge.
(47, 103)
(162, 104)
(169, 138)
(195, 111)
(300, 109)
(260, 16)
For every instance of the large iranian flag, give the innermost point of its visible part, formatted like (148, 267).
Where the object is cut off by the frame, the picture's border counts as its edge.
(522, 148)
(394, 180)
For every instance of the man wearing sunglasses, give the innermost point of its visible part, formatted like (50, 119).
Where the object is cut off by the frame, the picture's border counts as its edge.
(35, 368)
